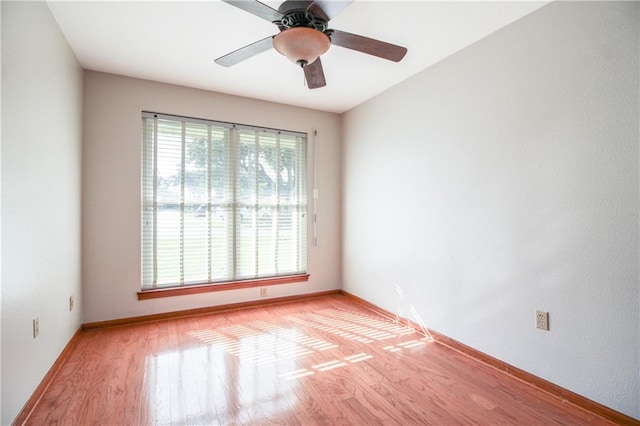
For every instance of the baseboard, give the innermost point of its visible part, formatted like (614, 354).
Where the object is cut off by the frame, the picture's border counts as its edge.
(535, 381)
(202, 311)
(31, 403)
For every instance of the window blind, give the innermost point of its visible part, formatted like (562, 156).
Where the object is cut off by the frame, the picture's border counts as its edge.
(221, 202)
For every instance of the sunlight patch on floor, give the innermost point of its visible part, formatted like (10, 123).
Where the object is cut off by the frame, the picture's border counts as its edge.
(329, 365)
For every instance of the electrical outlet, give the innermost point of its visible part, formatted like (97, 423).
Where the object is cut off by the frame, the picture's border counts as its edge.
(36, 327)
(263, 292)
(71, 303)
(542, 320)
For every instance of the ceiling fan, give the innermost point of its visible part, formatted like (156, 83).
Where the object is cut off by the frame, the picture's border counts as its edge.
(304, 36)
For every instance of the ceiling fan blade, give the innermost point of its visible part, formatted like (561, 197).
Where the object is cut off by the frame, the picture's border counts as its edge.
(328, 9)
(368, 45)
(245, 52)
(256, 8)
(314, 74)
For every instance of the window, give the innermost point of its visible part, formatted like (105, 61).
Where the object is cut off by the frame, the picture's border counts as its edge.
(221, 202)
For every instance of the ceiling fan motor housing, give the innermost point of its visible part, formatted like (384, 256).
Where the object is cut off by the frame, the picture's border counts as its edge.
(301, 18)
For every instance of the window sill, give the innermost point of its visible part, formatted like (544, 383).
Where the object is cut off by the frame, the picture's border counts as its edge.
(156, 293)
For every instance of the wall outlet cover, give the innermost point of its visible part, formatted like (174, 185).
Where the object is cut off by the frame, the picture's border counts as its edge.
(542, 320)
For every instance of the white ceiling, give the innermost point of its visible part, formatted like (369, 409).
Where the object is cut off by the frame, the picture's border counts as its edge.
(176, 42)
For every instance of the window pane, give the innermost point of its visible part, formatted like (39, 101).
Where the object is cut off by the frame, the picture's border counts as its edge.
(196, 200)
(221, 243)
(168, 243)
(168, 178)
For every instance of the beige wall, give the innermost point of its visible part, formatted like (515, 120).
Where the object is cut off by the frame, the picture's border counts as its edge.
(41, 153)
(503, 180)
(111, 190)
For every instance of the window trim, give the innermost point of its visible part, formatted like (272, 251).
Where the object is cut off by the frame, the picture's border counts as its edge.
(156, 293)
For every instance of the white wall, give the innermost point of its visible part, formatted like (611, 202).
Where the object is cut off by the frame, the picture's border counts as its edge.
(504, 180)
(111, 191)
(41, 154)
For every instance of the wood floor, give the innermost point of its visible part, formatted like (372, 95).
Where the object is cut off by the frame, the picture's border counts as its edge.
(322, 361)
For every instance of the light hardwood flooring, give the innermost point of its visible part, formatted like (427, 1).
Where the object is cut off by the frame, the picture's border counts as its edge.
(322, 361)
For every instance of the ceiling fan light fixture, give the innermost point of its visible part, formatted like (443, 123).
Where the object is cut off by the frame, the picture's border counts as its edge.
(301, 45)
